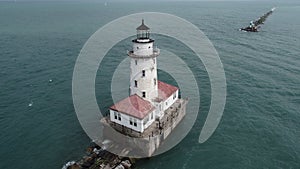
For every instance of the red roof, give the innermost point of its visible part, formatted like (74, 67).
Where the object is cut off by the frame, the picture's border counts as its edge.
(134, 106)
(165, 90)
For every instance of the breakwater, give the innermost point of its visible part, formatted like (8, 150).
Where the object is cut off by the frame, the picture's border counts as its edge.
(98, 158)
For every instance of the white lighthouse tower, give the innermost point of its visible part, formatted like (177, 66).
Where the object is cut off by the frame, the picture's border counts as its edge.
(143, 76)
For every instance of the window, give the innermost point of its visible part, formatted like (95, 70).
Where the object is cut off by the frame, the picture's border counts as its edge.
(146, 120)
(144, 94)
(166, 103)
(143, 73)
(115, 114)
(119, 116)
(149, 47)
(130, 121)
(135, 62)
(174, 96)
(135, 123)
(151, 115)
(154, 82)
(135, 83)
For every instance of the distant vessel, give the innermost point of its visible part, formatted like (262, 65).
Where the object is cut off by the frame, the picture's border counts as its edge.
(255, 25)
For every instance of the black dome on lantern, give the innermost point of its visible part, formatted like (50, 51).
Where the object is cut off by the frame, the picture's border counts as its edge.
(142, 27)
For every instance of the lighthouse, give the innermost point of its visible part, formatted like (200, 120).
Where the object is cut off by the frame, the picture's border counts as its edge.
(151, 102)
(143, 65)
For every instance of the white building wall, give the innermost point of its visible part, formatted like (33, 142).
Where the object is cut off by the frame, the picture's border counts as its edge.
(169, 101)
(164, 105)
(158, 109)
(125, 121)
(151, 119)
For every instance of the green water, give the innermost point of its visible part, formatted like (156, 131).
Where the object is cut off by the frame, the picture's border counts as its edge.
(260, 126)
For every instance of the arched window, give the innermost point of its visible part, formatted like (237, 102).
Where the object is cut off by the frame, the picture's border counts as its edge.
(143, 73)
(144, 94)
(135, 83)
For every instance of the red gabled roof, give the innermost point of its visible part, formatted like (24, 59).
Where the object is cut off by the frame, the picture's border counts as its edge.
(165, 90)
(134, 106)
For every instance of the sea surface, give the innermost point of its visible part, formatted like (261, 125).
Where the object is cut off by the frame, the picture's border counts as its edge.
(39, 44)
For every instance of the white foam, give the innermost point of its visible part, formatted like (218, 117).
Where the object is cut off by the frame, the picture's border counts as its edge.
(68, 164)
(30, 104)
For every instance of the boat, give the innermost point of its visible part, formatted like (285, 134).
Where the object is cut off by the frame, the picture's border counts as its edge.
(255, 25)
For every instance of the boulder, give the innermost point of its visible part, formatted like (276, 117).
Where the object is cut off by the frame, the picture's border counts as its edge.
(126, 164)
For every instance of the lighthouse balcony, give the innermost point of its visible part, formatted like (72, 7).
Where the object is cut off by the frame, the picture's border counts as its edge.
(143, 40)
(155, 53)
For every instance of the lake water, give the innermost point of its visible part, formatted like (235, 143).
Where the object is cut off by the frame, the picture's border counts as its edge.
(260, 126)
